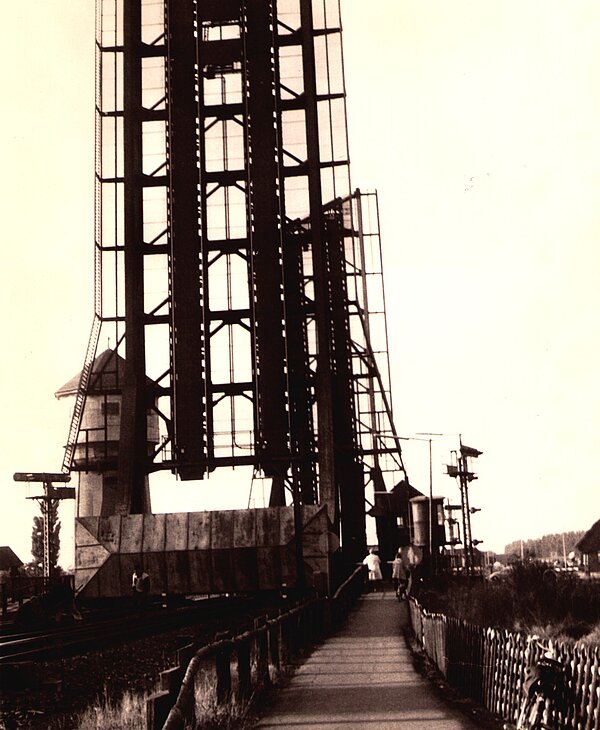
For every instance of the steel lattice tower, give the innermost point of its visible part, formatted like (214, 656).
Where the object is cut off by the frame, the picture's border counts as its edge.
(236, 272)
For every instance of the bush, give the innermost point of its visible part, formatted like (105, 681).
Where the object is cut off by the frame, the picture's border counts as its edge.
(532, 597)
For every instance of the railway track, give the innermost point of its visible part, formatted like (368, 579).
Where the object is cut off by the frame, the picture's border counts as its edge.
(98, 632)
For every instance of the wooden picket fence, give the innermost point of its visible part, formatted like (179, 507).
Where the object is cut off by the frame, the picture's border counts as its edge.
(488, 665)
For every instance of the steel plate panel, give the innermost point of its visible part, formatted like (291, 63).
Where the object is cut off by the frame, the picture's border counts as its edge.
(154, 533)
(177, 531)
(221, 530)
(86, 530)
(86, 584)
(109, 578)
(199, 530)
(178, 572)
(109, 532)
(223, 580)
(269, 568)
(245, 569)
(287, 559)
(200, 566)
(90, 556)
(286, 525)
(313, 543)
(132, 527)
(267, 526)
(155, 565)
(244, 528)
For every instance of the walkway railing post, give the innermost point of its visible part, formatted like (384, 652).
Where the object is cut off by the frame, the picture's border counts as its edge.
(243, 668)
(223, 668)
(275, 644)
(284, 647)
(158, 707)
(262, 652)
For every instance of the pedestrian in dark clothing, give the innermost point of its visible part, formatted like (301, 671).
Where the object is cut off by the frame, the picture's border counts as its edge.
(399, 576)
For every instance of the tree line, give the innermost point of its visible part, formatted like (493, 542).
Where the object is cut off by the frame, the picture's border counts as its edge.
(548, 547)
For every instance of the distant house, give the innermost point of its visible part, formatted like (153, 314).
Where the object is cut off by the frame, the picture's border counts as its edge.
(8, 559)
(589, 546)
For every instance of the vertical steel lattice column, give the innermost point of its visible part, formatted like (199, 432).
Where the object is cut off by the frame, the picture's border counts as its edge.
(188, 324)
(265, 228)
(132, 447)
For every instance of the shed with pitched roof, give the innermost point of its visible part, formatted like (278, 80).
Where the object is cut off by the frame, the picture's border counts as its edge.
(8, 559)
(589, 546)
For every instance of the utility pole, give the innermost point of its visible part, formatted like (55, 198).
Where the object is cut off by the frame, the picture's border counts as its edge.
(433, 561)
(432, 554)
(48, 501)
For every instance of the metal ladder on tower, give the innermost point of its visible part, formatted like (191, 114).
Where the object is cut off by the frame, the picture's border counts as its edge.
(82, 388)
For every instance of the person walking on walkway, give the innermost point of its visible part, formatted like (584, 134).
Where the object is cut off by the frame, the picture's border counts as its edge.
(373, 563)
(399, 576)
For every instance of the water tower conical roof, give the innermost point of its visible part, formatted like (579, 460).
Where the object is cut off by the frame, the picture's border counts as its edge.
(108, 371)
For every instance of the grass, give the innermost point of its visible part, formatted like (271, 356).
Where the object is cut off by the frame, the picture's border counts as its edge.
(127, 714)
(212, 716)
(236, 714)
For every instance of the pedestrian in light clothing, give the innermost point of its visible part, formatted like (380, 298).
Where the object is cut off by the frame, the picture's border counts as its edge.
(373, 563)
(140, 587)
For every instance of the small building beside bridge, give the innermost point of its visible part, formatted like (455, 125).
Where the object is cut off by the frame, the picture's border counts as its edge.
(589, 546)
(9, 561)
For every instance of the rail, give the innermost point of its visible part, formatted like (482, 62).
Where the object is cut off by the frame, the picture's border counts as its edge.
(41, 639)
(346, 595)
(488, 665)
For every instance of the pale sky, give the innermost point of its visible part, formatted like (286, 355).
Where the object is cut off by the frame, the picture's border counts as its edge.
(477, 122)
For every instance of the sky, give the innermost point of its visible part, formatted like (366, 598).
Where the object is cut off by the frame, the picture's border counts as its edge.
(477, 123)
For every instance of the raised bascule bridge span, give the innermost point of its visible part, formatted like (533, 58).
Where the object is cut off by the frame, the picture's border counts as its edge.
(239, 278)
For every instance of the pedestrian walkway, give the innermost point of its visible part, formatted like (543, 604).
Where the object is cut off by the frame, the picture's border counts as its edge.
(363, 677)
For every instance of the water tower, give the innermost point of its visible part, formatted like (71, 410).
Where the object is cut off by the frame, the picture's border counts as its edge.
(96, 455)
(429, 530)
